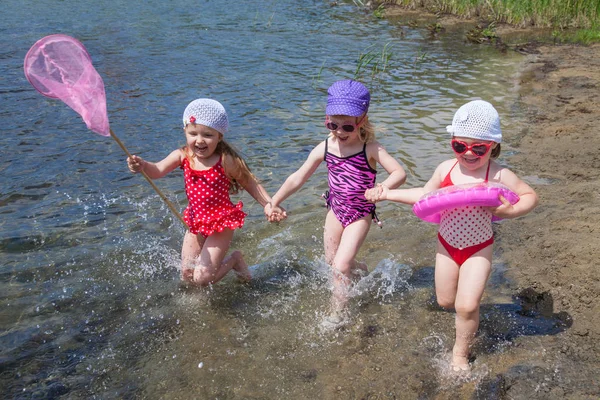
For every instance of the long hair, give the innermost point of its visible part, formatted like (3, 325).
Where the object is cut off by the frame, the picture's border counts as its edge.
(224, 148)
(367, 131)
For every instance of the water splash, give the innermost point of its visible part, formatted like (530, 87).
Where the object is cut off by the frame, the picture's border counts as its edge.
(437, 345)
(387, 279)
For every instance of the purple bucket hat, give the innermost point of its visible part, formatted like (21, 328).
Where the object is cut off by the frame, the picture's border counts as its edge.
(347, 97)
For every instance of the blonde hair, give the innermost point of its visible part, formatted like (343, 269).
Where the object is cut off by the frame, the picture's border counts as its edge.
(367, 131)
(224, 148)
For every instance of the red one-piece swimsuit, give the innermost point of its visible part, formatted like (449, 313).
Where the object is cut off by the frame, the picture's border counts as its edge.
(465, 230)
(209, 209)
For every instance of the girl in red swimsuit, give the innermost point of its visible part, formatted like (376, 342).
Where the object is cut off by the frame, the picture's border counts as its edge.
(212, 170)
(464, 252)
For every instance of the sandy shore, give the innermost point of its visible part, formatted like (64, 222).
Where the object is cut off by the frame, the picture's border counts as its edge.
(553, 253)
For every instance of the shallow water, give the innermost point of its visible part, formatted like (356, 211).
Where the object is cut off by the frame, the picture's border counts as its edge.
(91, 304)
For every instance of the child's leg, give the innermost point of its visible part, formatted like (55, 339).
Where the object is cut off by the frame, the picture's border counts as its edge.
(472, 280)
(446, 278)
(190, 250)
(341, 247)
(211, 265)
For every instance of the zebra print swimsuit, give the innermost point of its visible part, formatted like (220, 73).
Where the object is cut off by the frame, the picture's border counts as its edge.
(349, 177)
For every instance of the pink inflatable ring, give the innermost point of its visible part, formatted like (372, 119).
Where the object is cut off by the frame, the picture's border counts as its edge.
(429, 207)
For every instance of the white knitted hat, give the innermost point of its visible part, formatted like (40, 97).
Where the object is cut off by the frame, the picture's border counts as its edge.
(478, 120)
(206, 112)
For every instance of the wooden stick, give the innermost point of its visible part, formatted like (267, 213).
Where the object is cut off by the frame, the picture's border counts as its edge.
(169, 204)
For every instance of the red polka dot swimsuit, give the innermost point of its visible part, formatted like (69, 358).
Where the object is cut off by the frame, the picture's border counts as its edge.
(210, 209)
(465, 230)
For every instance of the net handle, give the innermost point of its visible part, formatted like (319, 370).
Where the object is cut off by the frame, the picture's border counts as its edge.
(161, 194)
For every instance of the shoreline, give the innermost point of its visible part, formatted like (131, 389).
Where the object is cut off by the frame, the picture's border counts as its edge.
(552, 252)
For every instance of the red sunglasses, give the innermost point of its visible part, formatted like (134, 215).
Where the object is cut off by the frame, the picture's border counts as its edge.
(478, 149)
(332, 126)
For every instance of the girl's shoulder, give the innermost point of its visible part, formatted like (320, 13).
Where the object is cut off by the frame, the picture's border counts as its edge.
(176, 157)
(373, 148)
(446, 166)
(497, 170)
(373, 145)
(319, 150)
(227, 161)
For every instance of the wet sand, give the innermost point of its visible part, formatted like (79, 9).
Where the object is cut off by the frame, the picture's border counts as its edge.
(552, 254)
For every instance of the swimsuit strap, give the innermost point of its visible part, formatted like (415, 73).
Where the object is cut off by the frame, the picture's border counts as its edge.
(325, 155)
(455, 164)
(364, 150)
(447, 179)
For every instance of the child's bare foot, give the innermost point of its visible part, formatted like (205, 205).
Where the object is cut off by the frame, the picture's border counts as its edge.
(338, 318)
(460, 363)
(240, 267)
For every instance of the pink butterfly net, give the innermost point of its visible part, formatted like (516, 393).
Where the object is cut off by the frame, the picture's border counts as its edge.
(58, 66)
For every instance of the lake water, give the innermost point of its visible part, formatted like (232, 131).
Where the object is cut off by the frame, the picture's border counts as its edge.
(90, 296)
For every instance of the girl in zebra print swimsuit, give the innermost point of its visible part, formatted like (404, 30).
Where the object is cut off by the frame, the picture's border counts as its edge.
(351, 154)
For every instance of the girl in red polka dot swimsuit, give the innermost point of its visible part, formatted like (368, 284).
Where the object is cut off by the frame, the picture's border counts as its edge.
(465, 237)
(212, 170)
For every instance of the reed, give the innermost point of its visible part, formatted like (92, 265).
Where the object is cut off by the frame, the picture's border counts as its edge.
(373, 60)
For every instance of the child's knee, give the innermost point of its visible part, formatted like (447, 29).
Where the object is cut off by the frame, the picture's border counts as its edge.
(237, 255)
(445, 302)
(445, 298)
(467, 308)
(202, 276)
(187, 274)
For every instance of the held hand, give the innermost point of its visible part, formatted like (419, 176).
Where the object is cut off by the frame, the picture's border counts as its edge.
(505, 210)
(279, 214)
(379, 192)
(135, 164)
(268, 211)
(275, 214)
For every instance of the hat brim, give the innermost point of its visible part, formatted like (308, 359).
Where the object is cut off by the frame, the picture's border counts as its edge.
(344, 109)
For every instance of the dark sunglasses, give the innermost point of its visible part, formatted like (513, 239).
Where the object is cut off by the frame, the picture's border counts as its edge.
(332, 126)
(479, 149)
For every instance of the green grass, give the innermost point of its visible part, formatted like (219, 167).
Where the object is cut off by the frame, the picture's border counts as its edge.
(583, 15)
(373, 61)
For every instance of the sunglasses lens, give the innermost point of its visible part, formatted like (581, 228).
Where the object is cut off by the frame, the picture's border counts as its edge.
(459, 147)
(332, 126)
(479, 150)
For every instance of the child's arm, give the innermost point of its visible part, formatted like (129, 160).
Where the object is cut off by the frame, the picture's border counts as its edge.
(155, 170)
(298, 178)
(528, 199)
(397, 175)
(253, 187)
(405, 196)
